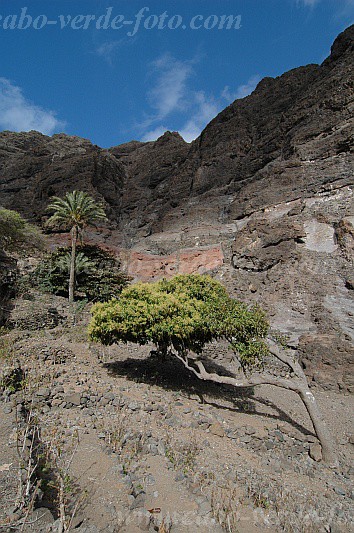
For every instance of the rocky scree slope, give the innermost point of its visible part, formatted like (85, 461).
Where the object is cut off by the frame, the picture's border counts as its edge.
(264, 197)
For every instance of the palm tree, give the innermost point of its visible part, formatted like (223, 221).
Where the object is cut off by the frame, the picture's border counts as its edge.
(82, 263)
(74, 212)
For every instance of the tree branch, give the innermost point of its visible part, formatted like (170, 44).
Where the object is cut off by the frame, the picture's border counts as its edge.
(253, 380)
(287, 360)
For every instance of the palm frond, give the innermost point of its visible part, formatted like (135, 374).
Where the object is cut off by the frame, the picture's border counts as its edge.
(76, 209)
(82, 263)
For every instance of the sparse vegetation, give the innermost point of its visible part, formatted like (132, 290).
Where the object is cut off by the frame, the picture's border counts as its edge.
(16, 234)
(97, 273)
(74, 212)
(181, 455)
(44, 468)
(182, 315)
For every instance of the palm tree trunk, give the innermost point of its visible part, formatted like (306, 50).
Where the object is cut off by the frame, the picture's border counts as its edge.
(72, 264)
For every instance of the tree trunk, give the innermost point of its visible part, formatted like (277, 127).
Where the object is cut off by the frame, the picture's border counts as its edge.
(299, 386)
(327, 443)
(72, 264)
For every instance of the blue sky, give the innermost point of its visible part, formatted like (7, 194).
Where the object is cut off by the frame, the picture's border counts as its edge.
(170, 68)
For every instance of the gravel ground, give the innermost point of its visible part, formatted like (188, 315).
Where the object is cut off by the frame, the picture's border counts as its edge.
(140, 446)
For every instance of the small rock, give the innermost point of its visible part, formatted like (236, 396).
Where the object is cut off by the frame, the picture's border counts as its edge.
(43, 392)
(77, 521)
(339, 491)
(139, 501)
(279, 435)
(204, 508)
(13, 517)
(150, 480)
(269, 444)
(42, 517)
(174, 422)
(109, 396)
(144, 520)
(73, 399)
(56, 402)
(161, 448)
(249, 430)
(153, 449)
(118, 402)
(217, 429)
(7, 410)
(315, 452)
(103, 402)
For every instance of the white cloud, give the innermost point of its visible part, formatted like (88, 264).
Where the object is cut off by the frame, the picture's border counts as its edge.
(19, 114)
(171, 94)
(108, 49)
(169, 90)
(308, 3)
(344, 8)
(346, 11)
(154, 134)
(242, 90)
(205, 109)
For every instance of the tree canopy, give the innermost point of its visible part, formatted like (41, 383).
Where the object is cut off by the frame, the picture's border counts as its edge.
(16, 234)
(183, 313)
(74, 212)
(97, 274)
(77, 209)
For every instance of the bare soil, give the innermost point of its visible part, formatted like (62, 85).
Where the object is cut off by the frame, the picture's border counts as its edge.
(140, 444)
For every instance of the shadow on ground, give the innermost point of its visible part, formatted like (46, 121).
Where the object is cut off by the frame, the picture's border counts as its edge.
(171, 375)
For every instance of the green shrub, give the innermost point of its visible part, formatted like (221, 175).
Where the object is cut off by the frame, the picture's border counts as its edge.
(16, 234)
(98, 277)
(184, 313)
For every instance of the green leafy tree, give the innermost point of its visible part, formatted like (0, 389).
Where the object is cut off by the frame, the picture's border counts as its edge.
(82, 263)
(16, 234)
(97, 273)
(74, 212)
(182, 315)
(17, 237)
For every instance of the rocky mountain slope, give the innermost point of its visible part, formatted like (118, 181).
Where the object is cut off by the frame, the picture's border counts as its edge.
(264, 198)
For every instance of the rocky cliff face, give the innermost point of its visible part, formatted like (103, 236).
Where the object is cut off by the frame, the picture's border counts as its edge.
(8, 273)
(264, 198)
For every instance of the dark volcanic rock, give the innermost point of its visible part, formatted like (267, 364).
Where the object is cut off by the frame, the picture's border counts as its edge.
(8, 272)
(291, 138)
(317, 358)
(262, 244)
(34, 167)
